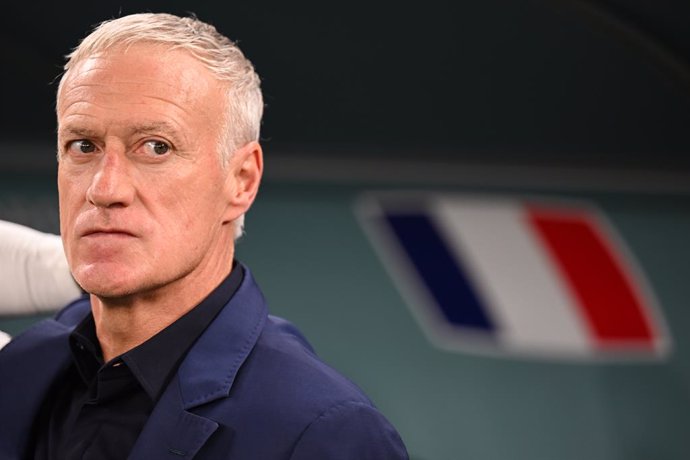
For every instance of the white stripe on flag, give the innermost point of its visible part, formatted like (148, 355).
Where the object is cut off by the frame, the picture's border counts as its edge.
(513, 274)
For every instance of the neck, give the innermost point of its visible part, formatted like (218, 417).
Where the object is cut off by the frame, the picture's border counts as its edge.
(126, 322)
(121, 327)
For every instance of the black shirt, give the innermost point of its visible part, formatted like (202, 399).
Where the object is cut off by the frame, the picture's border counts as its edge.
(97, 410)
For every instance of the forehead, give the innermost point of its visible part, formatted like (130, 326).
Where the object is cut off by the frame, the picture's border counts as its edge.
(144, 77)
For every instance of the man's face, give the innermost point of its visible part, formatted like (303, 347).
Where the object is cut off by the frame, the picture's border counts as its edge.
(143, 196)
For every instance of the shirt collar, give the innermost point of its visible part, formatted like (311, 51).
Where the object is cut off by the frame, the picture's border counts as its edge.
(154, 362)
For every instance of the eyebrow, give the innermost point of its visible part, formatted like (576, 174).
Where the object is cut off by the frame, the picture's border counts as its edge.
(162, 127)
(155, 127)
(80, 132)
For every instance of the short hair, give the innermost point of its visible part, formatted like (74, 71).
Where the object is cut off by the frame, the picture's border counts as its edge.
(220, 55)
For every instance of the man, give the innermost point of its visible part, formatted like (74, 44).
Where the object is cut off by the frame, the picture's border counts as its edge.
(172, 355)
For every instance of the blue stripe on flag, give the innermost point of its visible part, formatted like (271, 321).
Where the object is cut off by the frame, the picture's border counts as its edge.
(439, 271)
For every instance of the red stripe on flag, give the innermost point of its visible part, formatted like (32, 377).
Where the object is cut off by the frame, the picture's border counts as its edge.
(595, 275)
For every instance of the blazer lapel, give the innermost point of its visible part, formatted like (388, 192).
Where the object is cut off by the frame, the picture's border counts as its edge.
(172, 432)
(205, 375)
(29, 365)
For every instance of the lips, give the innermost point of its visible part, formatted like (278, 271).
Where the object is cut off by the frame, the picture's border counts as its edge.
(107, 231)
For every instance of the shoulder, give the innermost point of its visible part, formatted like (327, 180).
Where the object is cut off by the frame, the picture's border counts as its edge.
(286, 393)
(74, 312)
(48, 330)
(285, 361)
(349, 430)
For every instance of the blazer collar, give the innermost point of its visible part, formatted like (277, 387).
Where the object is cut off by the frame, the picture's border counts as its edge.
(206, 374)
(209, 369)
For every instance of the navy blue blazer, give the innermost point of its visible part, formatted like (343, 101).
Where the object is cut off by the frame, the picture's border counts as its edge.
(250, 388)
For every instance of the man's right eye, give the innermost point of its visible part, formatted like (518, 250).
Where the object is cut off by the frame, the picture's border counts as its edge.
(81, 146)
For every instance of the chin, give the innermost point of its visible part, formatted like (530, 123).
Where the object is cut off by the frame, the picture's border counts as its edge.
(108, 290)
(105, 283)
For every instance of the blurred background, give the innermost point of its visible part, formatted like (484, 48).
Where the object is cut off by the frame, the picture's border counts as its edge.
(514, 101)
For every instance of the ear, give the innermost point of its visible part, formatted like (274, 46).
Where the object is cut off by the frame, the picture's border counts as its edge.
(245, 168)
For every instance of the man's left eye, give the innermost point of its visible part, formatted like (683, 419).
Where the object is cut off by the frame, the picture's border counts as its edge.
(158, 147)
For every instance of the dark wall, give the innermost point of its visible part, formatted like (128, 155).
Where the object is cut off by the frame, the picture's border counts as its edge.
(569, 82)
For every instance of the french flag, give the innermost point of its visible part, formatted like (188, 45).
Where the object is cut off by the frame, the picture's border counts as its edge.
(518, 276)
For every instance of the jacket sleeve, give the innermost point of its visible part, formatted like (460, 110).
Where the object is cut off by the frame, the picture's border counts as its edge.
(352, 431)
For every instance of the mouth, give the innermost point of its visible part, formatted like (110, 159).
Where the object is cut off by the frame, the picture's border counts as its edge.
(114, 232)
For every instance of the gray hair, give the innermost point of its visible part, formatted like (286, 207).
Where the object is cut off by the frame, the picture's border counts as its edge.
(220, 55)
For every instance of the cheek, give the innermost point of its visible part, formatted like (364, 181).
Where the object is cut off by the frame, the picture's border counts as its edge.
(191, 212)
(71, 185)
(65, 203)
(199, 196)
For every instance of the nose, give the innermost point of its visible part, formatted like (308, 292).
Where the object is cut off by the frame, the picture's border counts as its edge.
(111, 185)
